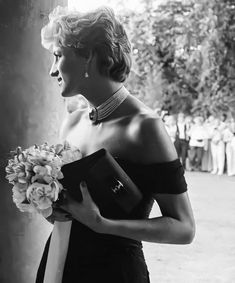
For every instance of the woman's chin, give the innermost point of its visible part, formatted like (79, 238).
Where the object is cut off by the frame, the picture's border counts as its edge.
(68, 93)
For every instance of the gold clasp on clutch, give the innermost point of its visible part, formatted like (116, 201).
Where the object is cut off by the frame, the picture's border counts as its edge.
(118, 186)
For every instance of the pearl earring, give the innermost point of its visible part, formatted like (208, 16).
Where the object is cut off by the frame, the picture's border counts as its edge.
(86, 75)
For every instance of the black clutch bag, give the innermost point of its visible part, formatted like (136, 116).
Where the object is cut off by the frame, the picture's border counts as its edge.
(110, 187)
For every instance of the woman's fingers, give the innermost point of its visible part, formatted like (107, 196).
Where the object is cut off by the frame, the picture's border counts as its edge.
(85, 211)
(67, 201)
(85, 193)
(87, 199)
(78, 210)
(61, 215)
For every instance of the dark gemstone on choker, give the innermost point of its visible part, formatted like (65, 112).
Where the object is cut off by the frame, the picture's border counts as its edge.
(93, 115)
(101, 112)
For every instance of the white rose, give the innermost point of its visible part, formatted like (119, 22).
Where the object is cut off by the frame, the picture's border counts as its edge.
(40, 170)
(47, 173)
(43, 195)
(19, 192)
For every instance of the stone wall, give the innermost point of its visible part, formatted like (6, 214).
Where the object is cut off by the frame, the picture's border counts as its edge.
(31, 110)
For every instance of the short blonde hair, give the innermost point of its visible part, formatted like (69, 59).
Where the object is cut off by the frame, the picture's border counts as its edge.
(98, 31)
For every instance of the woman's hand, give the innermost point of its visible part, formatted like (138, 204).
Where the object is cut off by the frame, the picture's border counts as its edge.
(60, 215)
(85, 211)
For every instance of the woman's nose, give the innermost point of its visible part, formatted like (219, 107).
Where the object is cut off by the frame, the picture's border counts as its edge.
(54, 72)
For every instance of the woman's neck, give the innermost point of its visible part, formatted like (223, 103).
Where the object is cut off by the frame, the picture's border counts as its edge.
(101, 90)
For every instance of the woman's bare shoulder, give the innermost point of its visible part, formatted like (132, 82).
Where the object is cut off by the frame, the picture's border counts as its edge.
(151, 140)
(70, 121)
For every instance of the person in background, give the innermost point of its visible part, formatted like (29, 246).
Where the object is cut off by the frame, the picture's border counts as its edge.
(198, 137)
(229, 140)
(218, 147)
(207, 155)
(171, 128)
(232, 128)
(183, 141)
(189, 123)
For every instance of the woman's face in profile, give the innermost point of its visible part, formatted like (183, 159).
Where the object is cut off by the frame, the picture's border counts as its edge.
(69, 69)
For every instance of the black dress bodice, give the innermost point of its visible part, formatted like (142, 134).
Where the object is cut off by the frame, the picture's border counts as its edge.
(150, 179)
(88, 248)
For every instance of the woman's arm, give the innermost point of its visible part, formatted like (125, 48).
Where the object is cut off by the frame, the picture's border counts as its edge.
(176, 225)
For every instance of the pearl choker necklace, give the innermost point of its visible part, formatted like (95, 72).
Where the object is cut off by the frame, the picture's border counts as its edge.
(101, 112)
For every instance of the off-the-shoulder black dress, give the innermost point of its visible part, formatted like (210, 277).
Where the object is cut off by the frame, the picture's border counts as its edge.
(101, 258)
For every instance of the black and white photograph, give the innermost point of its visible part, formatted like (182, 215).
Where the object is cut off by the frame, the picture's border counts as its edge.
(117, 141)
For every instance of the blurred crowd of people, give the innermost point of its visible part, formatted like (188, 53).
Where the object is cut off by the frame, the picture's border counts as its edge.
(203, 144)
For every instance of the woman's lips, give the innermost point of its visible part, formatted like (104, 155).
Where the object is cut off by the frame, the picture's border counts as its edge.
(60, 81)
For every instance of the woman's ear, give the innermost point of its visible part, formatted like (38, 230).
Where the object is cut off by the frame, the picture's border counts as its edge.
(91, 64)
(89, 57)
(88, 61)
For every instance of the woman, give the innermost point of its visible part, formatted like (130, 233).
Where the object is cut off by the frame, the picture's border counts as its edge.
(92, 56)
(198, 140)
(207, 156)
(171, 127)
(189, 123)
(218, 147)
(228, 138)
(183, 143)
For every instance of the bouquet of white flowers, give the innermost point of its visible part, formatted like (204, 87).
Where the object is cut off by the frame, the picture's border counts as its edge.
(35, 173)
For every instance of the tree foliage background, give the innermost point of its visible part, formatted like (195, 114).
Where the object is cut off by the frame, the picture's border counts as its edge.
(184, 55)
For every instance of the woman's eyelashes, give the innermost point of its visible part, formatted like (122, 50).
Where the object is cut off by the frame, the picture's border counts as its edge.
(57, 56)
